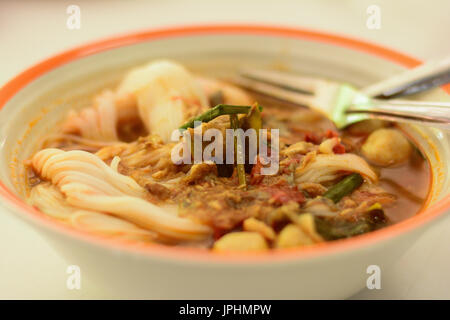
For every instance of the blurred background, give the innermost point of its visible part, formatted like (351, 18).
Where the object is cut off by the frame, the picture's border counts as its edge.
(30, 31)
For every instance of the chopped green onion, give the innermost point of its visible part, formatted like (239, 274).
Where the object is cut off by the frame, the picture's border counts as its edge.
(338, 227)
(333, 229)
(219, 110)
(344, 187)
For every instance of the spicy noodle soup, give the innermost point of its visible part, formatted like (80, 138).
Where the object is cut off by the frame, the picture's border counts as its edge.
(110, 168)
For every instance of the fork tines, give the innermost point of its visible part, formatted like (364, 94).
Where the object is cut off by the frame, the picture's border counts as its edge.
(283, 86)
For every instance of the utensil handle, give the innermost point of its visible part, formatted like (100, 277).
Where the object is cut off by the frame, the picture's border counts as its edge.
(436, 114)
(426, 76)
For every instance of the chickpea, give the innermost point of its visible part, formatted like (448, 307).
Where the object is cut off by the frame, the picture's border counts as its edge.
(292, 236)
(241, 241)
(386, 147)
(255, 225)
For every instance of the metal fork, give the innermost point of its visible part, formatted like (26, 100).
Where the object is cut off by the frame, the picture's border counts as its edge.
(345, 105)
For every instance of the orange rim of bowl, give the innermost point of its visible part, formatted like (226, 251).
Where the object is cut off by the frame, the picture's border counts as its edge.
(160, 250)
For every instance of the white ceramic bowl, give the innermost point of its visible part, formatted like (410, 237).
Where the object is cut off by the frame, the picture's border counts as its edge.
(37, 99)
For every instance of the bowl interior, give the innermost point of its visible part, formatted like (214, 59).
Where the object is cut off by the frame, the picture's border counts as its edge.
(40, 105)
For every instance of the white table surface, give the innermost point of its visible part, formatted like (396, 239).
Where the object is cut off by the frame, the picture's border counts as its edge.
(33, 30)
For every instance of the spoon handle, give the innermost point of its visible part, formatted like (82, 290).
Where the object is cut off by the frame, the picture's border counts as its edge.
(436, 114)
(426, 76)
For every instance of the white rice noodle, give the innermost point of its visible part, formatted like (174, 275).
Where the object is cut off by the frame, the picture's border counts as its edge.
(109, 226)
(115, 163)
(50, 200)
(88, 183)
(62, 167)
(142, 213)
